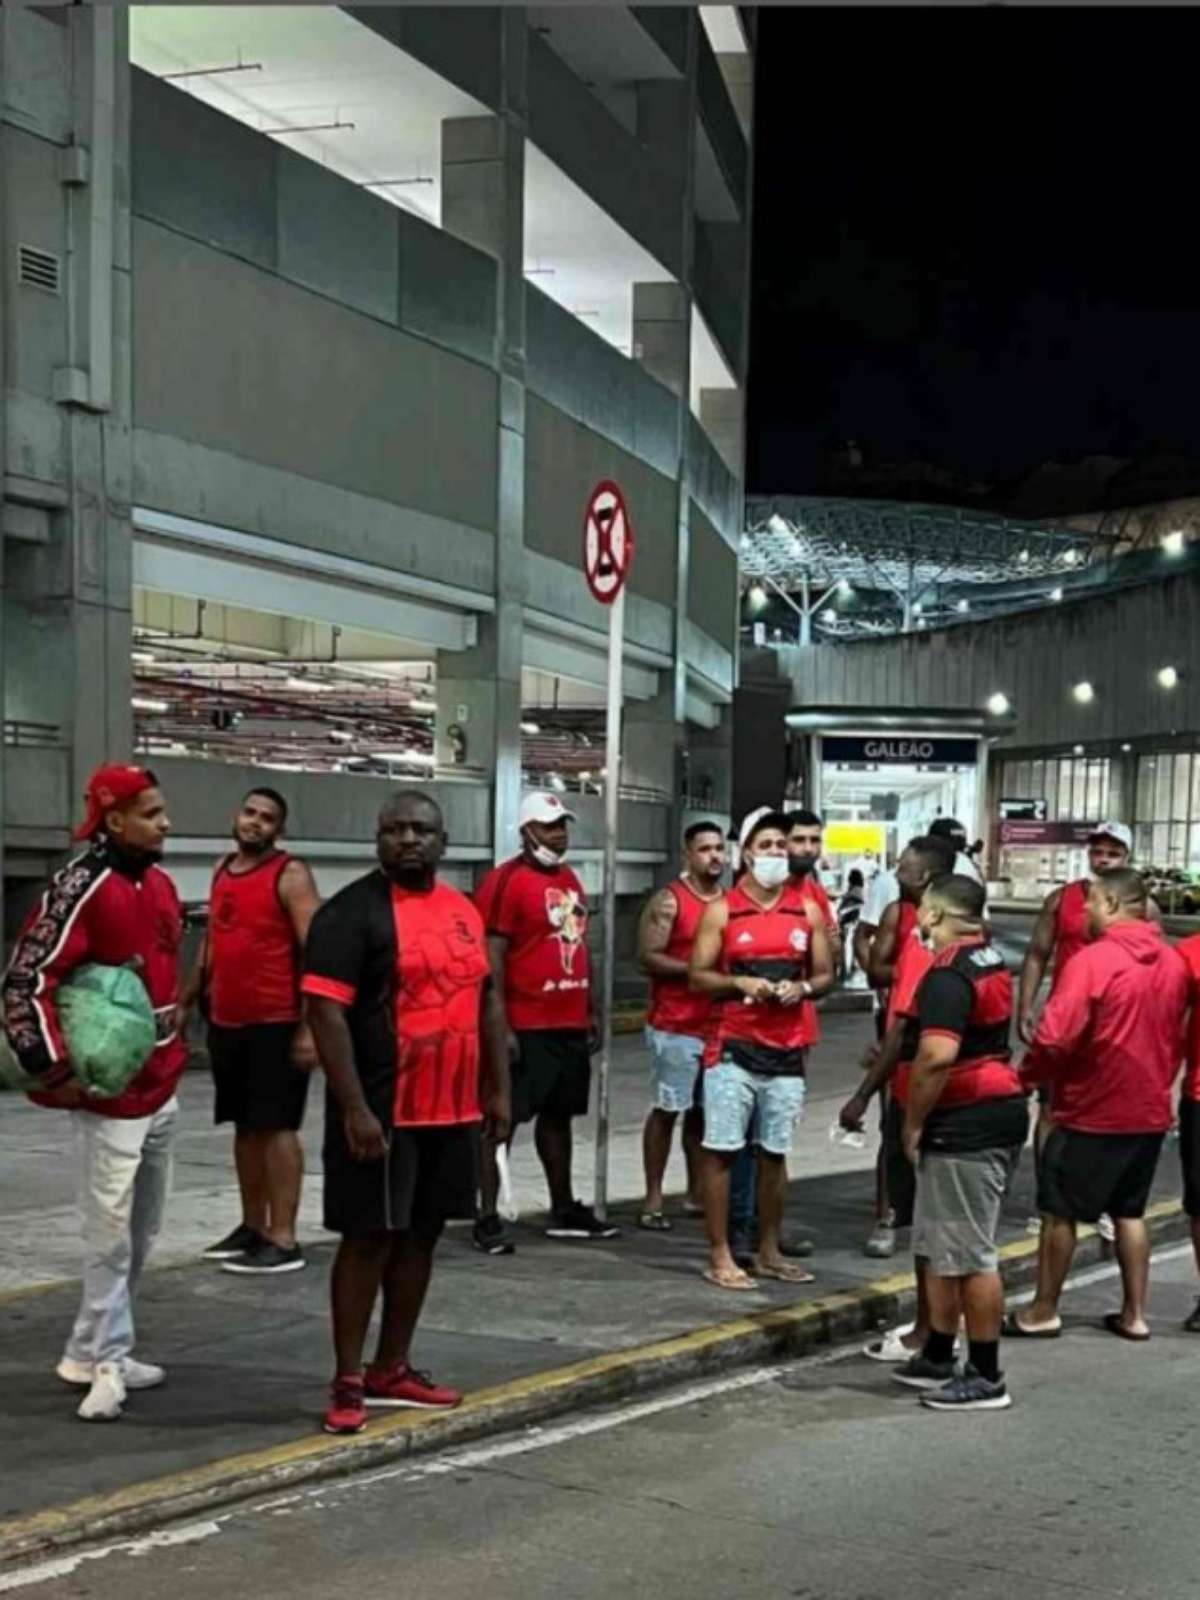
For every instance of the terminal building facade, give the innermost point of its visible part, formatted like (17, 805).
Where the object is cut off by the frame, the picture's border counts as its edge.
(319, 325)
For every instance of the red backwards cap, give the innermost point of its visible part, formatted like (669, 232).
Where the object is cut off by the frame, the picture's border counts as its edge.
(110, 785)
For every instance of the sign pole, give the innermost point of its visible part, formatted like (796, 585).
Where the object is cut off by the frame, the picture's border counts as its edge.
(612, 798)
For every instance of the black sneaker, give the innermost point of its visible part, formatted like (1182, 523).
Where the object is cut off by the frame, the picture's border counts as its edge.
(488, 1236)
(920, 1373)
(233, 1244)
(579, 1222)
(969, 1391)
(266, 1257)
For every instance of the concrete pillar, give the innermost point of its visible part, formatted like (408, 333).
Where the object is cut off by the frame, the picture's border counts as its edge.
(723, 418)
(68, 598)
(662, 335)
(651, 739)
(483, 202)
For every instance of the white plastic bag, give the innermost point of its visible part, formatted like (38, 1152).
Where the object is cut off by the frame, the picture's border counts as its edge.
(506, 1200)
(848, 1138)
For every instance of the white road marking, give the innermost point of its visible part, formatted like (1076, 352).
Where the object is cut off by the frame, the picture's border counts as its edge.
(468, 1457)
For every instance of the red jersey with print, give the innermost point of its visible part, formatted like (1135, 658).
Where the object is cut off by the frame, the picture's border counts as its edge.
(1189, 949)
(253, 962)
(1070, 926)
(98, 908)
(409, 967)
(547, 970)
(673, 1006)
(913, 961)
(763, 1036)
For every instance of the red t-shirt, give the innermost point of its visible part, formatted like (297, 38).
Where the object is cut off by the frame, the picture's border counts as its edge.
(409, 968)
(547, 970)
(1189, 949)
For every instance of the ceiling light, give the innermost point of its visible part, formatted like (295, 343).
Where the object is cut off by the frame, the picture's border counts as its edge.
(1168, 677)
(1126, 748)
(756, 596)
(1173, 542)
(1071, 557)
(140, 704)
(998, 704)
(556, 783)
(340, 736)
(306, 685)
(777, 525)
(142, 657)
(1084, 693)
(829, 615)
(530, 728)
(1056, 594)
(1077, 750)
(963, 605)
(917, 609)
(420, 758)
(585, 777)
(429, 706)
(1023, 557)
(845, 587)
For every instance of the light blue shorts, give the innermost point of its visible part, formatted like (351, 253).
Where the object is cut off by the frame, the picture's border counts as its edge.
(737, 1103)
(675, 1066)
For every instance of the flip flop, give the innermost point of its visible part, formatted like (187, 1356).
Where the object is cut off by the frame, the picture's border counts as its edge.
(1113, 1324)
(736, 1285)
(654, 1222)
(1012, 1329)
(785, 1273)
(690, 1209)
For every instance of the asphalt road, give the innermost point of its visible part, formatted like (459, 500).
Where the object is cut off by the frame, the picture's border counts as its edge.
(820, 1480)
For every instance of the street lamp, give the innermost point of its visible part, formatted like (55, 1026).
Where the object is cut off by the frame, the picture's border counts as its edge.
(998, 704)
(1173, 542)
(1056, 595)
(1168, 677)
(1084, 693)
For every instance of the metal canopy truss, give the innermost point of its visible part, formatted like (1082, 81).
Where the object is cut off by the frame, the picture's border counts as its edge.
(861, 567)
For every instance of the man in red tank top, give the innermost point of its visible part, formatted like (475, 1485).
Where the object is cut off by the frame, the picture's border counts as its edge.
(678, 1018)
(261, 904)
(761, 952)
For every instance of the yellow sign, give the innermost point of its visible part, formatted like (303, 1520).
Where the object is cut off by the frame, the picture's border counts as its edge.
(853, 838)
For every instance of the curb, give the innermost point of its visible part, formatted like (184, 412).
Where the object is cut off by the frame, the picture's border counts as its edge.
(779, 1333)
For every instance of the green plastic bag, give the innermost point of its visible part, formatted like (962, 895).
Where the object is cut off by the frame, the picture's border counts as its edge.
(108, 1025)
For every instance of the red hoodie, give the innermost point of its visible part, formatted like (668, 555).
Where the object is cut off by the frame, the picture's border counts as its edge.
(1112, 1035)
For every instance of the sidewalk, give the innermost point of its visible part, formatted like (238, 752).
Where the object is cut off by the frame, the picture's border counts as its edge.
(550, 1328)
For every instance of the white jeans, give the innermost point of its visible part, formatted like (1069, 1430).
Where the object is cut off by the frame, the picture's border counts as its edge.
(125, 1175)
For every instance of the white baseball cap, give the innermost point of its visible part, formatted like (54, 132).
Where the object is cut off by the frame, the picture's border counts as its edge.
(749, 821)
(543, 806)
(1113, 830)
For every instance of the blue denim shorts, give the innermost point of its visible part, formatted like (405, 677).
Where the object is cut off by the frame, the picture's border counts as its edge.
(738, 1103)
(674, 1068)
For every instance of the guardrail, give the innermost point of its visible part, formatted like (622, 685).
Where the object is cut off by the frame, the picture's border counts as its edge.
(33, 735)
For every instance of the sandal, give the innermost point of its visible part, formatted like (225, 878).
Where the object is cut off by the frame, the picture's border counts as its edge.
(654, 1222)
(1014, 1329)
(1114, 1324)
(736, 1280)
(785, 1272)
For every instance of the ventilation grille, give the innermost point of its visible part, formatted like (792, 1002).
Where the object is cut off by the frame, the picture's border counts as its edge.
(38, 269)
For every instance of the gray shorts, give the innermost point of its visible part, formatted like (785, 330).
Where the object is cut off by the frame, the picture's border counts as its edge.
(957, 1211)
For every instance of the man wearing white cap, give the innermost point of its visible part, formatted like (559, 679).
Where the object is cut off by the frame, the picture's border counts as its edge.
(535, 913)
(1059, 934)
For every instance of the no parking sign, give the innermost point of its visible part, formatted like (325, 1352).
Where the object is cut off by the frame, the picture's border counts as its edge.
(607, 542)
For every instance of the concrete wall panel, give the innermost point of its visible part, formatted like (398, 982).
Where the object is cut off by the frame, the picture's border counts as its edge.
(35, 72)
(36, 216)
(336, 238)
(564, 462)
(712, 486)
(447, 290)
(265, 370)
(712, 581)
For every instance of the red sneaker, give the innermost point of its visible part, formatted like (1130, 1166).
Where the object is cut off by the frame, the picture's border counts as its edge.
(345, 1413)
(404, 1386)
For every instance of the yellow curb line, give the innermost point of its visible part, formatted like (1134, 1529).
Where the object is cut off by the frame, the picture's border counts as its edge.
(43, 1530)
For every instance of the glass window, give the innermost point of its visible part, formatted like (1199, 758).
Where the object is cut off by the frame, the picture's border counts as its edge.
(1147, 767)
(1079, 810)
(1181, 793)
(1193, 860)
(1051, 788)
(1160, 846)
(1037, 780)
(1178, 846)
(1143, 843)
(1162, 789)
(1094, 807)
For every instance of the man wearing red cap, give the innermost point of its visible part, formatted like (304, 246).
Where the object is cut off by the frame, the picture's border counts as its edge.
(535, 913)
(112, 905)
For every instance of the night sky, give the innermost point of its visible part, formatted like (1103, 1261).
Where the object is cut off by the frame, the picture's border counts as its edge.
(975, 240)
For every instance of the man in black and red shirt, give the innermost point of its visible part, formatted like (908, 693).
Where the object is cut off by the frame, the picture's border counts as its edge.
(536, 915)
(409, 1030)
(964, 1125)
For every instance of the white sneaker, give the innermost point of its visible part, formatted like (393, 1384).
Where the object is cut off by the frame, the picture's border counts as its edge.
(137, 1374)
(103, 1401)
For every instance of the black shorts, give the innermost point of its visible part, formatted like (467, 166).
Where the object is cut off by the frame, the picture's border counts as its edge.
(899, 1172)
(428, 1176)
(553, 1073)
(257, 1086)
(1189, 1153)
(1082, 1175)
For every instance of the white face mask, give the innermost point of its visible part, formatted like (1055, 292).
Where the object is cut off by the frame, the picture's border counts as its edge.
(545, 858)
(769, 872)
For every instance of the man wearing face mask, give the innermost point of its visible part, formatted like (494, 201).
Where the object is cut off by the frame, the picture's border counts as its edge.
(761, 954)
(535, 913)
